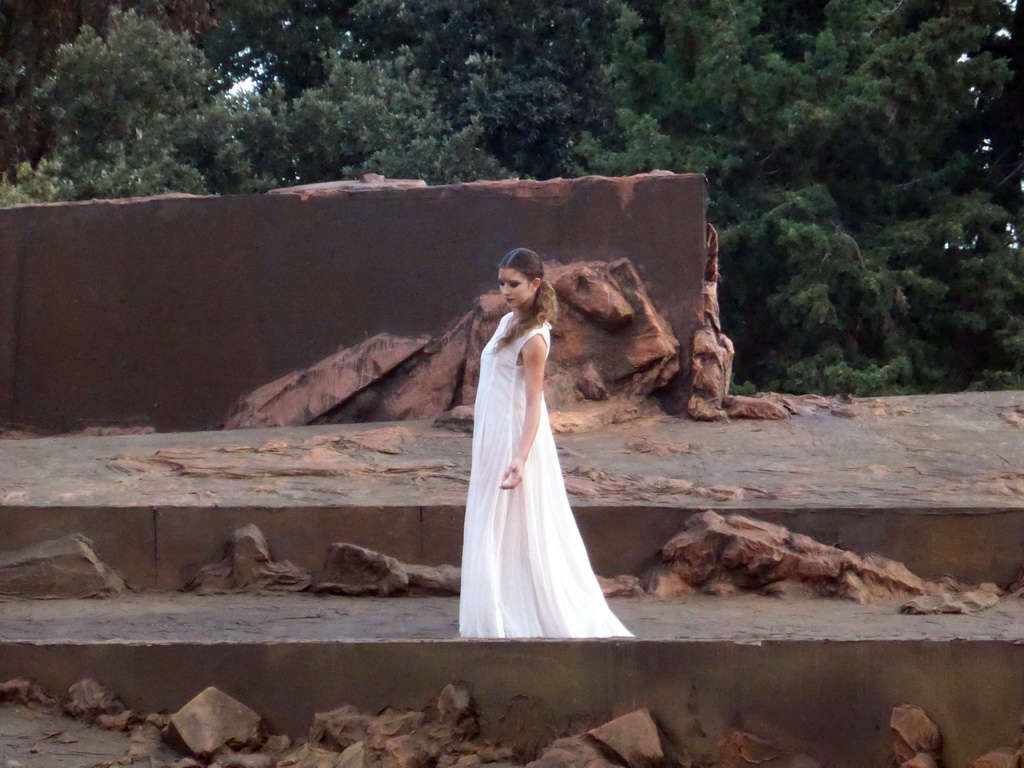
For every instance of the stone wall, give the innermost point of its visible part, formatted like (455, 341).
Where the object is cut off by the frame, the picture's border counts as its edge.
(163, 311)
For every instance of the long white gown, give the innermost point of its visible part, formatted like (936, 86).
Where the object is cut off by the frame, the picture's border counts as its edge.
(525, 571)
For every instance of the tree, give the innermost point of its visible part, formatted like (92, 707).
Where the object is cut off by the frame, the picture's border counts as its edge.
(868, 248)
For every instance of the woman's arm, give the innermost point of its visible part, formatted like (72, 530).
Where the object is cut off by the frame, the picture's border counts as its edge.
(534, 354)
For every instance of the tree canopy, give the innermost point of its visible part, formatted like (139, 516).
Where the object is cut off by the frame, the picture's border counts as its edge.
(864, 156)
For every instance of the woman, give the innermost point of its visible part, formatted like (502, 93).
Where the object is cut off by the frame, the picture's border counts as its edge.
(525, 571)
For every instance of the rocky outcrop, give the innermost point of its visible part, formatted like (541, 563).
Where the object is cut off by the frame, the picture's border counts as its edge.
(611, 347)
(719, 555)
(247, 566)
(213, 721)
(712, 351)
(64, 567)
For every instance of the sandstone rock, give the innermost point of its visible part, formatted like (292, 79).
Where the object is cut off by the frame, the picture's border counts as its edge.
(457, 709)
(300, 397)
(590, 293)
(739, 407)
(971, 602)
(434, 579)
(308, 756)
(634, 738)
(88, 699)
(357, 756)
(711, 350)
(410, 751)
(590, 384)
(24, 692)
(118, 722)
(248, 566)
(64, 567)
(243, 760)
(212, 721)
(458, 419)
(392, 723)
(722, 554)
(921, 760)
(354, 570)
(572, 752)
(624, 585)
(340, 728)
(913, 733)
(999, 758)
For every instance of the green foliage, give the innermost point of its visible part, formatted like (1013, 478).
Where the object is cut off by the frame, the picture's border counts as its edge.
(866, 245)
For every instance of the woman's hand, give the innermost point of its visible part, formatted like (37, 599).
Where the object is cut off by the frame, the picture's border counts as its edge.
(513, 475)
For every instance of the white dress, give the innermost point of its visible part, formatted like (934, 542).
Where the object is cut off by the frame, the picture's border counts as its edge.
(525, 571)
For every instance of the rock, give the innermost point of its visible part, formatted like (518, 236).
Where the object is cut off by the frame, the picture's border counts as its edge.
(308, 756)
(720, 555)
(634, 738)
(456, 708)
(572, 752)
(212, 721)
(590, 384)
(711, 350)
(248, 567)
(245, 760)
(971, 602)
(625, 585)
(24, 692)
(739, 407)
(410, 751)
(357, 756)
(921, 760)
(392, 723)
(303, 396)
(87, 700)
(354, 570)
(340, 728)
(458, 419)
(434, 579)
(999, 758)
(586, 289)
(67, 567)
(913, 733)
(118, 722)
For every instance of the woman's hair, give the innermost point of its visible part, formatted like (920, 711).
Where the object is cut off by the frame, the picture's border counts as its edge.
(544, 308)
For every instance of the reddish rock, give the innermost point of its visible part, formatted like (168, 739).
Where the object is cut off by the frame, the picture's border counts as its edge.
(971, 602)
(625, 585)
(590, 384)
(572, 752)
(711, 351)
(118, 722)
(391, 723)
(589, 292)
(739, 407)
(457, 709)
(634, 738)
(739, 749)
(722, 554)
(354, 570)
(248, 566)
(88, 699)
(303, 396)
(998, 758)
(24, 692)
(340, 728)
(410, 751)
(212, 721)
(67, 567)
(913, 733)
(308, 756)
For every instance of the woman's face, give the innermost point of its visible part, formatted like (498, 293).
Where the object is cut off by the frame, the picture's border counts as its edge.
(517, 290)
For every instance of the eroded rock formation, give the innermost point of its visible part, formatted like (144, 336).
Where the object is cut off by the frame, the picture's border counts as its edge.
(64, 567)
(720, 555)
(611, 346)
(248, 566)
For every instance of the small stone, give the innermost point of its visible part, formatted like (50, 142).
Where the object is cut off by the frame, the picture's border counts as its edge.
(248, 566)
(625, 585)
(572, 752)
(212, 721)
(340, 728)
(968, 603)
(634, 738)
(356, 756)
(354, 570)
(458, 419)
(67, 567)
(411, 751)
(245, 760)
(434, 579)
(25, 692)
(118, 722)
(913, 732)
(87, 700)
(308, 756)
(998, 758)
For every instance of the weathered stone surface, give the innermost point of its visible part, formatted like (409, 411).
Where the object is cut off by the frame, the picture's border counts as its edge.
(340, 728)
(457, 709)
(1004, 757)
(721, 554)
(411, 750)
(970, 602)
(913, 733)
(458, 419)
(369, 181)
(740, 407)
(740, 749)
(572, 752)
(634, 738)
(612, 345)
(625, 585)
(308, 756)
(711, 351)
(119, 722)
(243, 760)
(354, 570)
(303, 396)
(88, 699)
(64, 567)
(434, 579)
(247, 566)
(24, 692)
(212, 721)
